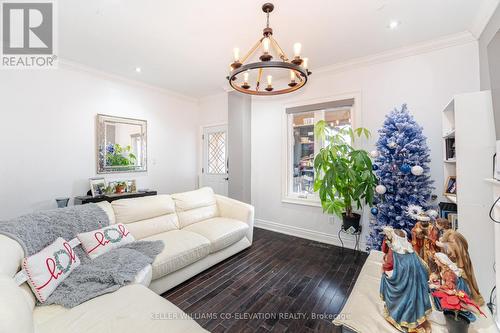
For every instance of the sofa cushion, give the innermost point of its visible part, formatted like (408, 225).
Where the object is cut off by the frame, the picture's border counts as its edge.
(133, 308)
(195, 206)
(220, 231)
(181, 249)
(16, 313)
(146, 216)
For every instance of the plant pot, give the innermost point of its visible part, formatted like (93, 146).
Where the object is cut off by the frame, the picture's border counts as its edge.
(456, 324)
(351, 221)
(119, 189)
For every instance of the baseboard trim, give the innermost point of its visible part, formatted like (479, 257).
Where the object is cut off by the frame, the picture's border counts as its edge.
(314, 235)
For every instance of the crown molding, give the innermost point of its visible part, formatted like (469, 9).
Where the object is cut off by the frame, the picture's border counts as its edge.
(78, 67)
(483, 16)
(403, 52)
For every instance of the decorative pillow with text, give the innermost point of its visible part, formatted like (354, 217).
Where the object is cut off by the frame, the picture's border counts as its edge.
(46, 269)
(100, 241)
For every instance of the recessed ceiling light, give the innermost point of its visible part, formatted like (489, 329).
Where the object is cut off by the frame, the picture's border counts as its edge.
(138, 69)
(394, 24)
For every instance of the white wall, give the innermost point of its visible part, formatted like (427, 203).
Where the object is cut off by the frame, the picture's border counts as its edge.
(426, 82)
(213, 110)
(48, 130)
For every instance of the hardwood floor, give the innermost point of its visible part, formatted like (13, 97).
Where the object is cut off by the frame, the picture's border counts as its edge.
(280, 284)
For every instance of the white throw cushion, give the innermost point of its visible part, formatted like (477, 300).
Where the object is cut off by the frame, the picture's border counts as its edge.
(49, 267)
(131, 309)
(100, 241)
(181, 249)
(220, 231)
(195, 206)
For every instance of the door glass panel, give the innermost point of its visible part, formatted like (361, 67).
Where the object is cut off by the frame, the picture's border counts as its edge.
(217, 153)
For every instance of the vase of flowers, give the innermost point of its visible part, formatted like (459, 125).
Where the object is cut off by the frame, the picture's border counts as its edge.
(120, 187)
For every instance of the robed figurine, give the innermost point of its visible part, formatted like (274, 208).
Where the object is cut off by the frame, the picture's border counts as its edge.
(455, 246)
(404, 285)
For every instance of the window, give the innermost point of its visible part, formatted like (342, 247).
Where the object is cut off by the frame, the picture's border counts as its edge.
(302, 146)
(217, 153)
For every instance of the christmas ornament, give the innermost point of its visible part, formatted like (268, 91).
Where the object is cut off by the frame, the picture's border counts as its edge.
(374, 153)
(392, 145)
(417, 170)
(374, 210)
(405, 168)
(380, 189)
(374, 167)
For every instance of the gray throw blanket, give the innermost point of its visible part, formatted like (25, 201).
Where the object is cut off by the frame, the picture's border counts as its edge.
(92, 278)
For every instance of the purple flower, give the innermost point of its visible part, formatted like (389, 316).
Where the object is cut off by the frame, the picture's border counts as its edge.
(110, 148)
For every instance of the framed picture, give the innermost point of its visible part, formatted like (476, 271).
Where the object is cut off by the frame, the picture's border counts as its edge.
(131, 186)
(450, 187)
(97, 186)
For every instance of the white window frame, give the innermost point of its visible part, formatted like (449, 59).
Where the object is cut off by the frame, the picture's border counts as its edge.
(287, 194)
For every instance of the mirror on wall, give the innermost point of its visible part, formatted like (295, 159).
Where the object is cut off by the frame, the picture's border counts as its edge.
(121, 144)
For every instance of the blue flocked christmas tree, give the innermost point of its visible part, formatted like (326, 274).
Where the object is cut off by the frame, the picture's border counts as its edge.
(401, 165)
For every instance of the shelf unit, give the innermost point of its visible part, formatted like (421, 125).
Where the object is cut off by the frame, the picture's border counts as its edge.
(468, 122)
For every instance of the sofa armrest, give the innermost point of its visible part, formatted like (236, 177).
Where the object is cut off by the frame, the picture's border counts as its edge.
(237, 210)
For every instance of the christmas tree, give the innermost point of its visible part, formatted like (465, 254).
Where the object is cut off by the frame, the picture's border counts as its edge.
(401, 165)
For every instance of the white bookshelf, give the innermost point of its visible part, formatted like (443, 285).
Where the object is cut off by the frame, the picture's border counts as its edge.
(468, 120)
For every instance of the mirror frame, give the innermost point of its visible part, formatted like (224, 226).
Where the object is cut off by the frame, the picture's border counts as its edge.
(102, 168)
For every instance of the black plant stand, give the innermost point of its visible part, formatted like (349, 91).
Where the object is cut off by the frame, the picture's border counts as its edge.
(357, 236)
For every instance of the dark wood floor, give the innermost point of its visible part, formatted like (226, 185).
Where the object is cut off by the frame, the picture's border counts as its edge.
(280, 284)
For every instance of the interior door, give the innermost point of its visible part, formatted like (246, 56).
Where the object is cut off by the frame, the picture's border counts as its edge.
(215, 173)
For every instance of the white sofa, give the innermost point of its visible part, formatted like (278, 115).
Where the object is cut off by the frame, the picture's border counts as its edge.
(199, 229)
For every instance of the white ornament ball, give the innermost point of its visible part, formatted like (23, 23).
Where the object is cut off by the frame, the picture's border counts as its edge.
(432, 213)
(417, 170)
(392, 144)
(374, 153)
(380, 189)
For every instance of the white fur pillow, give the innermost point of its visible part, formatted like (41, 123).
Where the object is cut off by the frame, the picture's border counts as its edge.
(100, 241)
(49, 267)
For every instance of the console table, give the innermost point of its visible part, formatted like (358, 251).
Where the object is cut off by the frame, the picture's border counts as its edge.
(111, 197)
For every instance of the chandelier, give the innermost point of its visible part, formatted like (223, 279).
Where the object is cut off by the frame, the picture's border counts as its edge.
(247, 77)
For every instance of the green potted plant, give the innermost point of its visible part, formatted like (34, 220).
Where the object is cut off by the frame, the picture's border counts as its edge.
(120, 187)
(343, 174)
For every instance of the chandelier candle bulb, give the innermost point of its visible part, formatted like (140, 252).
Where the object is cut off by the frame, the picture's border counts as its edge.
(293, 76)
(265, 44)
(269, 83)
(245, 84)
(305, 63)
(236, 54)
(297, 47)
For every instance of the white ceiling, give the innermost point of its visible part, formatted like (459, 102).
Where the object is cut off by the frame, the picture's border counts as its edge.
(186, 46)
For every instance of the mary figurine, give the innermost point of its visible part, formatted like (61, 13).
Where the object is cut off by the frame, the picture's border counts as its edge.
(404, 289)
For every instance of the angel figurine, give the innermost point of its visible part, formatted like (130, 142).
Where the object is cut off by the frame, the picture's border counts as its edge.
(456, 247)
(403, 286)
